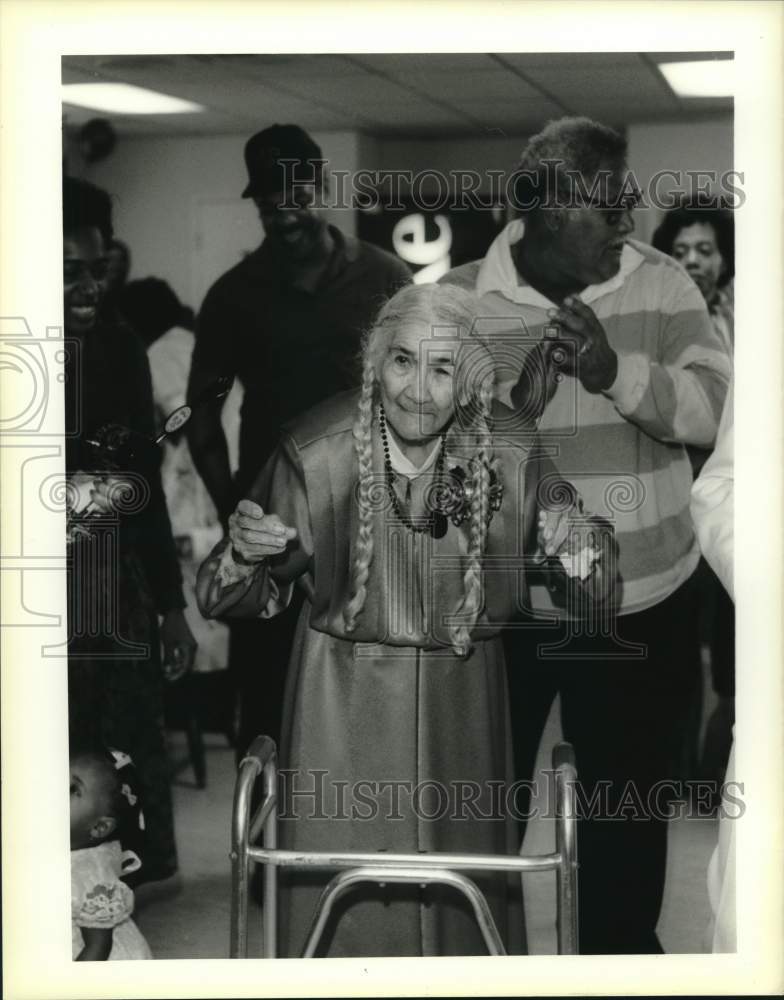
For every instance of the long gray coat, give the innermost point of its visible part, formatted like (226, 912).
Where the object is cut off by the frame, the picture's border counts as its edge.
(389, 703)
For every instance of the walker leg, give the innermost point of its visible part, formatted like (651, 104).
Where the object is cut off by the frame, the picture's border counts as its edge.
(261, 758)
(566, 848)
(344, 880)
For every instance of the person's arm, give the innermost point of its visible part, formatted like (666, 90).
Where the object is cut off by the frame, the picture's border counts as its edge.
(574, 552)
(154, 538)
(212, 358)
(97, 944)
(579, 559)
(170, 361)
(677, 396)
(535, 385)
(101, 907)
(712, 502)
(251, 573)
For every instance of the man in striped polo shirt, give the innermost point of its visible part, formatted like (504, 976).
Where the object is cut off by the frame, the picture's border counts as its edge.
(636, 373)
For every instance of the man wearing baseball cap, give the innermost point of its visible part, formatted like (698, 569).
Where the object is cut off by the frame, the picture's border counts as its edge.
(287, 320)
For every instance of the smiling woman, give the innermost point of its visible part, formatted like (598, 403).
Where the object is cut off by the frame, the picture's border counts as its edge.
(383, 505)
(416, 390)
(700, 234)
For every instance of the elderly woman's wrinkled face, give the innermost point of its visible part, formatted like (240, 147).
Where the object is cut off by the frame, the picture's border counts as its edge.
(416, 382)
(84, 278)
(697, 249)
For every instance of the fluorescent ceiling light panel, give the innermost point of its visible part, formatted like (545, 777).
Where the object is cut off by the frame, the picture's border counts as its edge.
(124, 99)
(706, 78)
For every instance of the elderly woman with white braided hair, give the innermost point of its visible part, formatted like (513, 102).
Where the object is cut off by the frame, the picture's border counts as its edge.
(408, 511)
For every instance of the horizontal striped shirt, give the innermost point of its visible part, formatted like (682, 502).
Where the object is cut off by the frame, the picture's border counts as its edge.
(622, 449)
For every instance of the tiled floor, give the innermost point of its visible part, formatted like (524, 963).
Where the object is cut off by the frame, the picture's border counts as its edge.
(188, 917)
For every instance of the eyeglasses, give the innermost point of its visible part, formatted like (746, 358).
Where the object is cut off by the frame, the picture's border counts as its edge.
(625, 201)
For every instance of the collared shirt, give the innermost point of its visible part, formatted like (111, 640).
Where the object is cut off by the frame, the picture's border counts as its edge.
(497, 272)
(404, 466)
(290, 348)
(712, 501)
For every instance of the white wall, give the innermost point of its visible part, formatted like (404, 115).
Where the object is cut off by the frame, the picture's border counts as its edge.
(678, 146)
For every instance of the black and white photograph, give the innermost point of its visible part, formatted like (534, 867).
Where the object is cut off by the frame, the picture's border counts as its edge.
(369, 500)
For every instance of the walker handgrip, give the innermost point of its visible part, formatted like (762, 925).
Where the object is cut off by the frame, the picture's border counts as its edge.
(563, 756)
(261, 750)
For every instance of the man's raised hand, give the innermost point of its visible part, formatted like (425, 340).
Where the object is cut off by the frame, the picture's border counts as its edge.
(591, 359)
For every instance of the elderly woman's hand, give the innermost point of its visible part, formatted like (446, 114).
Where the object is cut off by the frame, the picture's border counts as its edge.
(570, 539)
(255, 535)
(585, 548)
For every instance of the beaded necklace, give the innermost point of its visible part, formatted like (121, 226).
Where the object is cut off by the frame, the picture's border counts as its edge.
(434, 523)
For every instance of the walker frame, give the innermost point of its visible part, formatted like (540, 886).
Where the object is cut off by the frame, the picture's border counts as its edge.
(356, 867)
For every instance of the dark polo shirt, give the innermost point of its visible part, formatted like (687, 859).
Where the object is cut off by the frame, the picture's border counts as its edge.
(290, 348)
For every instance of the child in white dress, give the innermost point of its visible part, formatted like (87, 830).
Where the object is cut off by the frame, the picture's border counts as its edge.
(101, 903)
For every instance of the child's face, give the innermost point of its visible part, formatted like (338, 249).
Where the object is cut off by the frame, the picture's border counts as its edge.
(90, 819)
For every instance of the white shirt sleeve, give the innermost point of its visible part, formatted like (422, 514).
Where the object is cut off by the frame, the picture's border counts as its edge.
(712, 501)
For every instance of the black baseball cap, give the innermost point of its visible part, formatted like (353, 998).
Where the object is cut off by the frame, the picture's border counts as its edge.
(266, 149)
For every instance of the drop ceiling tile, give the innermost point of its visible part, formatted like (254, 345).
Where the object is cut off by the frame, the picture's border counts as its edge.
(576, 84)
(530, 61)
(627, 108)
(660, 57)
(538, 107)
(418, 113)
(448, 93)
(535, 104)
(400, 64)
(497, 84)
(74, 74)
(695, 105)
(296, 66)
(342, 89)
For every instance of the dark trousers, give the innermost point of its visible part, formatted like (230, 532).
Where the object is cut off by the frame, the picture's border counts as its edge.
(718, 630)
(625, 718)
